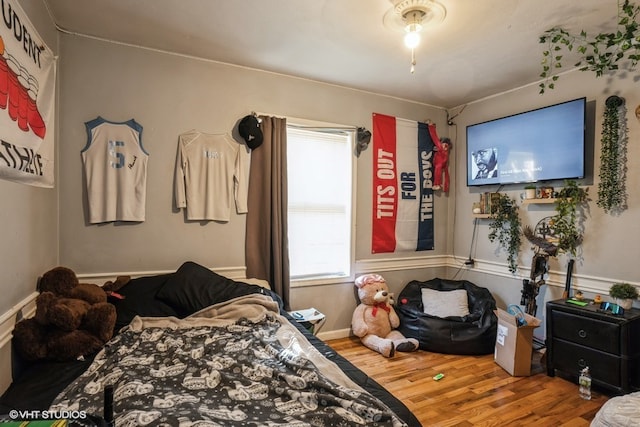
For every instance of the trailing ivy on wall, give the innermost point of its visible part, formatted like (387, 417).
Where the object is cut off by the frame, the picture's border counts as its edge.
(612, 192)
(505, 227)
(568, 220)
(562, 233)
(599, 54)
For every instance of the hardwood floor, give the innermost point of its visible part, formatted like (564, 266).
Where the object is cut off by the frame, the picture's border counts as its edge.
(475, 391)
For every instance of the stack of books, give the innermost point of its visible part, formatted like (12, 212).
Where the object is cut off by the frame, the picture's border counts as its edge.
(487, 200)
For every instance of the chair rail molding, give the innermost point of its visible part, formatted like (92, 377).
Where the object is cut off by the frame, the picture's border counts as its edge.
(582, 282)
(99, 279)
(365, 266)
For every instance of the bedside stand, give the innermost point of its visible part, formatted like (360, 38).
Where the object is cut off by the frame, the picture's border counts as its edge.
(310, 318)
(608, 344)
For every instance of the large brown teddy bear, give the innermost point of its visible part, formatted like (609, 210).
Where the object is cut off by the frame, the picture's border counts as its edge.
(374, 319)
(72, 319)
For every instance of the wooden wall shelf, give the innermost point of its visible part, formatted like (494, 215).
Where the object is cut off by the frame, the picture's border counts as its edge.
(538, 201)
(525, 202)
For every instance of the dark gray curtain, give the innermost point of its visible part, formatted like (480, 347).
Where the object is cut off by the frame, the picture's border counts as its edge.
(266, 242)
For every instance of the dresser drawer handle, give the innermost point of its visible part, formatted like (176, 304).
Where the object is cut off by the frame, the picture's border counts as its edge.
(582, 333)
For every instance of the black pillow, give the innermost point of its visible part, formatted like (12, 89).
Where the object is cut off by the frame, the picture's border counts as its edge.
(193, 287)
(140, 299)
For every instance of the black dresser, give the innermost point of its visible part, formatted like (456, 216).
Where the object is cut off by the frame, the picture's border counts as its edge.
(608, 344)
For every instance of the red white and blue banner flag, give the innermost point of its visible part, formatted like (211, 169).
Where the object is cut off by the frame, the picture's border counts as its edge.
(402, 185)
(27, 100)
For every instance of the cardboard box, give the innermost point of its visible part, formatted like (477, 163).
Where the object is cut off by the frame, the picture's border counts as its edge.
(514, 344)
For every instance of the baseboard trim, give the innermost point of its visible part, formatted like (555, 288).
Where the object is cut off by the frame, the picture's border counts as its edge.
(334, 335)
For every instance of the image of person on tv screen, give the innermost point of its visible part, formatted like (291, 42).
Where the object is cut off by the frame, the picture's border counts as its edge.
(486, 161)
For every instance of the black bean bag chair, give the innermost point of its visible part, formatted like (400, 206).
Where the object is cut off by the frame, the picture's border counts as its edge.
(474, 333)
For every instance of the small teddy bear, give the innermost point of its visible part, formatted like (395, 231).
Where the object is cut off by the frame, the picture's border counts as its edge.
(374, 319)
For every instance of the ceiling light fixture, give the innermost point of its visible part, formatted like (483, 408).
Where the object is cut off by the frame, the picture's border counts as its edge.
(410, 17)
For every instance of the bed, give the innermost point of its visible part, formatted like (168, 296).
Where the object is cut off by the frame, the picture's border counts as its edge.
(196, 348)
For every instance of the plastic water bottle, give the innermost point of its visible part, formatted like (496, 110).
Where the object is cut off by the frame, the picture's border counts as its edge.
(584, 383)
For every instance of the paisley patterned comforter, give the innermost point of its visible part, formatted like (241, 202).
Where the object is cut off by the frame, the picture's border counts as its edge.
(237, 363)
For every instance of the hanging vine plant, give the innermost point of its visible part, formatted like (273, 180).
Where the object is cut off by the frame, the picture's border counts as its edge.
(505, 227)
(599, 54)
(568, 221)
(612, 192)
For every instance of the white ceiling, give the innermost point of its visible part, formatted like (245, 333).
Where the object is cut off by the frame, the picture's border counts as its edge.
(482, 47)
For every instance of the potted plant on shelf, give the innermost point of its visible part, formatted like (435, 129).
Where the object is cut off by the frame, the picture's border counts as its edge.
(505, 227)
(624, 294)
(530, 191)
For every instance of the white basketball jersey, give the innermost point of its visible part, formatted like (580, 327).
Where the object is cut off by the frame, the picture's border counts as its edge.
(115, 165)
(211, 171)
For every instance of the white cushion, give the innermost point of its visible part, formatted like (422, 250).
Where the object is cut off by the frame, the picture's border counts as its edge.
(445, 303)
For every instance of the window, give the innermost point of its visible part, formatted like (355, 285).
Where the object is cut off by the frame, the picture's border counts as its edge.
(320, 166)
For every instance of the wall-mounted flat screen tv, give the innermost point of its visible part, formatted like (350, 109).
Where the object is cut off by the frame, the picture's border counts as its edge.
(538, 145)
